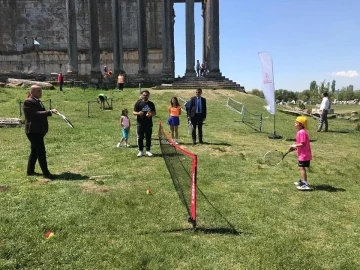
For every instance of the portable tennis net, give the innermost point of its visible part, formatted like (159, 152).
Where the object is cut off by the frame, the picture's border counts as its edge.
(250, 119)
(182, 166)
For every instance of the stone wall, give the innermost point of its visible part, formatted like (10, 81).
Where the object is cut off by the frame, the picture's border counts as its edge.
(45, 21)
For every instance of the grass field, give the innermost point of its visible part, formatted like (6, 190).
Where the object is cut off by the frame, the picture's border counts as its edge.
(102, 217)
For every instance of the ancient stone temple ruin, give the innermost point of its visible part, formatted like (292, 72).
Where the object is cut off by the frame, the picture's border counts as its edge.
(79, 37)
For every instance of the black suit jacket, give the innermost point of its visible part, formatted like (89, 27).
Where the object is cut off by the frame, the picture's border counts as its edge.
(35, 117)
(192, 108)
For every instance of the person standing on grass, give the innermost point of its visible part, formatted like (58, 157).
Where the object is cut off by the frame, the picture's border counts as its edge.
(304, 152)
(144, 110)
(36, 127)
(197, 112)
(120, 82)
(174, 120)
(125, 128)
(324, 110)
(60, 80)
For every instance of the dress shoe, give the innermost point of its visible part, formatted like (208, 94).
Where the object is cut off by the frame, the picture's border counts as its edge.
(201, 142)
(33, 174)
(49, 176)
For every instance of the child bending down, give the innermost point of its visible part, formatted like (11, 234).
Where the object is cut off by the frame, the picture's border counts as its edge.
(125, 128)
(304, 152)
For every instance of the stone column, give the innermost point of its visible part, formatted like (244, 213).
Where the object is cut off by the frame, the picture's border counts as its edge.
(213, 38)
(167, 6)
(190, 39)
(72, 37)
(142, 37)
(94, 38)
(117, 32)
(204, 44)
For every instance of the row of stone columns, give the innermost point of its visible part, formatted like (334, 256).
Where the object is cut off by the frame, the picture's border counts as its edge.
(210, 37)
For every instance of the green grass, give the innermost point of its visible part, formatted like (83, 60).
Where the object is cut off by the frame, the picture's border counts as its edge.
(116, 225)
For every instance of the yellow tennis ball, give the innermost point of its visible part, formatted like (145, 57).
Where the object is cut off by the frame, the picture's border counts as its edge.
(48, 235)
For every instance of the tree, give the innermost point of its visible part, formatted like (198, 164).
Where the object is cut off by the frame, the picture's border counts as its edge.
(313, 86)
(257, 92)
(328, 87)
(304, 95)
(333, 85)
(350, 87)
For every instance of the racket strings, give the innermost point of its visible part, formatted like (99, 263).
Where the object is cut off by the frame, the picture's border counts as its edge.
(273, 157)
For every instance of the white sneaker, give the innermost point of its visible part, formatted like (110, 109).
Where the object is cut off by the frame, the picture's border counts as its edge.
(140, 154)
(127, 145)
(304, 188)
(299, 183)
(176, 141)
(118, 145)
(148, 153)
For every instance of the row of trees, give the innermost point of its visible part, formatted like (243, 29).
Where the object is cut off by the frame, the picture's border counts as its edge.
(314, 93)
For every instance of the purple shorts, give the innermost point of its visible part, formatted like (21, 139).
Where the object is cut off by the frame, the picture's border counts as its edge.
(174, 121)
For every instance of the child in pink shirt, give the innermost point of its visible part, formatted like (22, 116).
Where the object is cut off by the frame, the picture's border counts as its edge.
(125, 128)
(304, 152)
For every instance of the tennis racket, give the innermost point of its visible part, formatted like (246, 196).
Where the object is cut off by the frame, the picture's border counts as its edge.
(65, 119)
(274, 157)
(190, 127)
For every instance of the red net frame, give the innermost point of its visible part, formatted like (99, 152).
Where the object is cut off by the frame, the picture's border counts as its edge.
(166, 142)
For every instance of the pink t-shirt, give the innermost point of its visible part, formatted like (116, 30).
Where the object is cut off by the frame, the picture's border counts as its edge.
(125, 121)
(304, 152)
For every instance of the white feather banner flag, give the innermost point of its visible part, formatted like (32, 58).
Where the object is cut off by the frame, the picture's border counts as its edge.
(268, 80)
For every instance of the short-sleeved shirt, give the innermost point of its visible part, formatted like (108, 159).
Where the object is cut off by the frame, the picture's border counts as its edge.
(174, 111)
(147, 106)
(125, 121)
(304, 152)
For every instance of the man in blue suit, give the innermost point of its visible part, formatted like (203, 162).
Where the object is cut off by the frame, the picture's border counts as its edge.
(197, 114)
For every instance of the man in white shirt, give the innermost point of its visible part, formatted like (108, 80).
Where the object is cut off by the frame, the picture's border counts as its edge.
(324, 110)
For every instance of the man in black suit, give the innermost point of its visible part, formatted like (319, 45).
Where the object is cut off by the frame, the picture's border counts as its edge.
(36, 127)
(197, 114)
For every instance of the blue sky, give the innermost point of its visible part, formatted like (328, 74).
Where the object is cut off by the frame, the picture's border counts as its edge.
(307, 39)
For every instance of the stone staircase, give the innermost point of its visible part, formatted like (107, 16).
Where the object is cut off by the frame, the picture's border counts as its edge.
(202, 82)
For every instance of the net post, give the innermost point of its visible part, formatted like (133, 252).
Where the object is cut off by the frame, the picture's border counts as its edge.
(50, 103)
(261, 122)
(20, 111)
(243, 114)
(88, 109)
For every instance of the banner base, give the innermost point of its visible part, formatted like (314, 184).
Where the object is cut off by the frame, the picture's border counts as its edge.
(274, 136)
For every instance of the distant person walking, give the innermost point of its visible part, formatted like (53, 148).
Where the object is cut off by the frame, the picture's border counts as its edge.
(198, 65)
(144, 110)
(174, 120)
(324, 110)
(120, 82)
(36, 127)
(60, 80)
(197, 114)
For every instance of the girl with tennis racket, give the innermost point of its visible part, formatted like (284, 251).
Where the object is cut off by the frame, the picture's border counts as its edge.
(174, 120)
(304, 152)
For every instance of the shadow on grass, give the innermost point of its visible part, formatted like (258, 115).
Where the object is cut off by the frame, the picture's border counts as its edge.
(207, 143)
(222, 231)
(328, 188)
(69, 176)
(294, 140)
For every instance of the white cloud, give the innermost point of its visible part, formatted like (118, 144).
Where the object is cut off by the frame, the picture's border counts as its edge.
(349, 73)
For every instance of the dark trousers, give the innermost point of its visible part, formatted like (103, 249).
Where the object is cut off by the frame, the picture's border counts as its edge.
(323, 121)
(121, 86)
(197, 121)
(144, 132)
(61, 86)
(37, 153)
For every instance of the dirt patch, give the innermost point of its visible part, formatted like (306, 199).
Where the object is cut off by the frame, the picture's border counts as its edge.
(95, 187)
